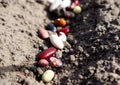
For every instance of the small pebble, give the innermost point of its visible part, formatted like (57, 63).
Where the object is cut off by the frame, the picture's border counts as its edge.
(72, 58)
(66, 50)
(71, 39)
(76, 63)
(49, 83)
(91, 69)
(42, 83)
(116, 38)
(71, 51)
(40, 71)
(67, 44)
(31, 74)
(80, 76)
(79, 48)
(59, 54)
(26, 71)
(44, 47)
(115, 11)
(86, 54)
(55, 77)
(43, 33)
(107, 17)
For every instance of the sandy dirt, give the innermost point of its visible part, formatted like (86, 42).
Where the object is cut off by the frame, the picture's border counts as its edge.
(93, 59)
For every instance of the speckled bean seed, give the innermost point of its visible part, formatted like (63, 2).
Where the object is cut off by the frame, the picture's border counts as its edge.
(55, 62)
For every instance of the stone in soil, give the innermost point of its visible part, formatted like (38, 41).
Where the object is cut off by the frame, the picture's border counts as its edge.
(72, 58)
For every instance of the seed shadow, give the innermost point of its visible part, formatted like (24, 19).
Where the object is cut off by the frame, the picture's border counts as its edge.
(15, 68)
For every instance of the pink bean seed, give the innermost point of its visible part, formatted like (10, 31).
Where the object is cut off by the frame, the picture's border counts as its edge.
(43, 33)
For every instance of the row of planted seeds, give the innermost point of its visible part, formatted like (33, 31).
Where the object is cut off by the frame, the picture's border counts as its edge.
(58, 39)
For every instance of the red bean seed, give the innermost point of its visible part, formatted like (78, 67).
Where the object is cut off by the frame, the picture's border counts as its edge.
(47, 53)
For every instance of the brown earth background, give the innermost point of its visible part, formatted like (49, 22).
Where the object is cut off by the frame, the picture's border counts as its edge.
(93, 59)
